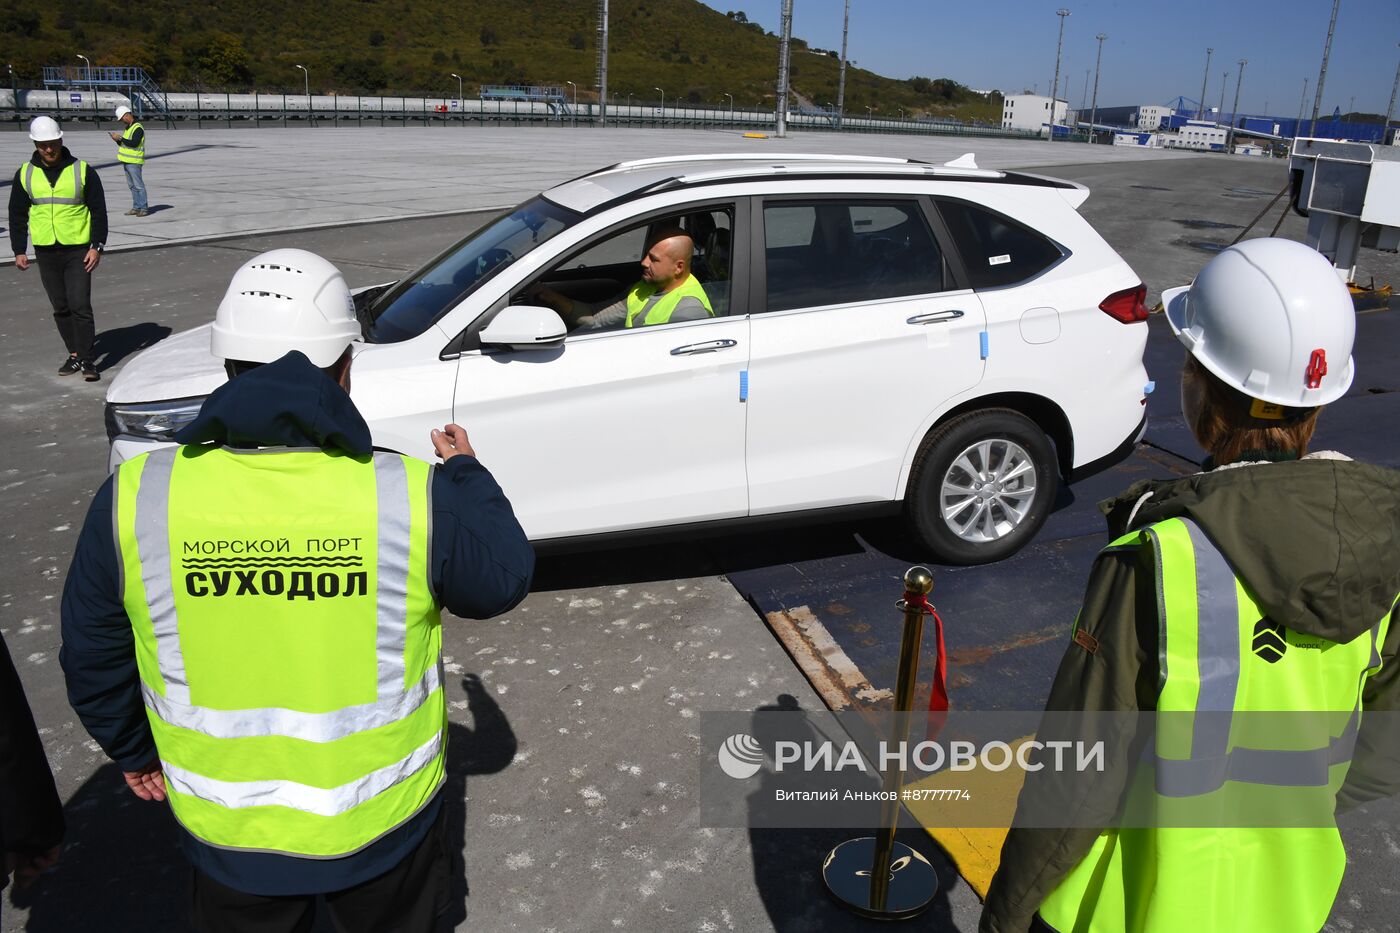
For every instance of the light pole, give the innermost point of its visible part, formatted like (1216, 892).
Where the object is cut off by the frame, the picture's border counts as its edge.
(1094, 111)
(1059, 44)
(602, 67)
(1220, 111)
(868, 114)
(90, 87)
(1201, 112)
(1389, 109)
(1322, 74)
(459, 90)
(663, 103)
(575, 108)
(307, 76)
(1235, 108)
(731, 104)
(1302, 102)
(784, 46)
(901, 112)
(841, 83)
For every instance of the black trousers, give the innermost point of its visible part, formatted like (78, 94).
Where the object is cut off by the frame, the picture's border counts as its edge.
(406, 899)
(69, 287)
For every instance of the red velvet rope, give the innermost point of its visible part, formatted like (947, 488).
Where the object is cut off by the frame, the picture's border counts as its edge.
(938, 690)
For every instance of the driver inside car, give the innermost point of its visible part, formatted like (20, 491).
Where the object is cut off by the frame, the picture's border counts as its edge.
(667, 292)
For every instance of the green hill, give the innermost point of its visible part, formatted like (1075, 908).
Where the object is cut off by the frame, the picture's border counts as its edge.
(411, 46)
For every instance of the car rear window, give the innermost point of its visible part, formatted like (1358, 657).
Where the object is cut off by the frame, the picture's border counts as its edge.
(997, 250)
(836, 252)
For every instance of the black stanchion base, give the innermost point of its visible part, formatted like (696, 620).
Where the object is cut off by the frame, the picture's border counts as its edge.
(913, 882)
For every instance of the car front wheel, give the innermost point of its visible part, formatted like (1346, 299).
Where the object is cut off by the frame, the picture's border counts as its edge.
(981, 486)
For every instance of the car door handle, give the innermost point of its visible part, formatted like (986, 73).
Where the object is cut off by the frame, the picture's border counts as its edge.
(935, 317)
(709, 346)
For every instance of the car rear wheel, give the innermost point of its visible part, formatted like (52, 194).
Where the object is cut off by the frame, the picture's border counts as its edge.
(981, 486)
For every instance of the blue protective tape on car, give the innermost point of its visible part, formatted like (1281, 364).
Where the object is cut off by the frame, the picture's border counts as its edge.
(1149, 388)
(983, 337)
(743, 385)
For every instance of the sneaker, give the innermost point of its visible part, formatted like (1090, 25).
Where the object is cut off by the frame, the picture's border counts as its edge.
(131, 212)
(90, 373)
(70, 366)
(141, 213)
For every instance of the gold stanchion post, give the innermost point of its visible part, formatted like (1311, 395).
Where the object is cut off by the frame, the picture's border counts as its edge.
(875, 876)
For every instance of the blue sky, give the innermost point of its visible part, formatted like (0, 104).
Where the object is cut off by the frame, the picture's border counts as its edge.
(1154, 51)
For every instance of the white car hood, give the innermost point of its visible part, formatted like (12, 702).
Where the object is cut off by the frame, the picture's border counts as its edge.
(180, 366)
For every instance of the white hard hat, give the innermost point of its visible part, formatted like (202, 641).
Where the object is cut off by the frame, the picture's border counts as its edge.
(284, 300)
(122, 111)
(44, 129)
(1271, 318)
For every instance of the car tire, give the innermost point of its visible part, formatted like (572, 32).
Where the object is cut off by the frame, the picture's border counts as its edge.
(981, 486)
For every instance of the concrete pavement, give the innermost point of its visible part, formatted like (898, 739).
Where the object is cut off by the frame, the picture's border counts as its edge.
(208, 183)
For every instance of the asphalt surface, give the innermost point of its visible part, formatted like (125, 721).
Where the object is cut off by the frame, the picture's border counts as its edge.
(575, 754)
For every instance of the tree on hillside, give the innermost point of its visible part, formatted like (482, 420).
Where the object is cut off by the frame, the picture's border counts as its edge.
(219, 58)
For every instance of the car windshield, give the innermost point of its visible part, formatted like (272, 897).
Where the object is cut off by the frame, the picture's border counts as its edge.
(416, 301)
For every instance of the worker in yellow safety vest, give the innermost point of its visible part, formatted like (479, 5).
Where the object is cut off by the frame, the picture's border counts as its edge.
(1237, 645)
(131, 153)
(667, 293)
(56, 203)
(251, 623)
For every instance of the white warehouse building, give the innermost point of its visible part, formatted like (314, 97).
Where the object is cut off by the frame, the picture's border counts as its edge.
(1152, 116)
(1196, 134)
(1031, 112)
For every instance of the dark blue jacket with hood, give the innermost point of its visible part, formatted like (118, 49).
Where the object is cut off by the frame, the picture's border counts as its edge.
(481, 566)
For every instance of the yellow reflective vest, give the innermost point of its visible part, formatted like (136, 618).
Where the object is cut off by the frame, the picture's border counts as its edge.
(58, 215)
(661, 312)
(136, 155)
(1254, 733)
(288, 641)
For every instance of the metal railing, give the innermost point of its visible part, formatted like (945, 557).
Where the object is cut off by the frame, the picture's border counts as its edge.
(293, 107)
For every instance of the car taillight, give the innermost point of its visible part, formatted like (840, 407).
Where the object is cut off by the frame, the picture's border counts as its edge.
(1127, 306)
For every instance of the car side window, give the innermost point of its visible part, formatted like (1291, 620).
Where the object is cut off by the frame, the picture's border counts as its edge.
(597, 278)
(997, 250)
(836, 252)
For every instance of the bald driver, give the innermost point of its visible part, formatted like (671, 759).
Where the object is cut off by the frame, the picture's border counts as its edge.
(667, 292)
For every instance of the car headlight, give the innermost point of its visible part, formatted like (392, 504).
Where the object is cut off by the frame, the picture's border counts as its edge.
(157, 421)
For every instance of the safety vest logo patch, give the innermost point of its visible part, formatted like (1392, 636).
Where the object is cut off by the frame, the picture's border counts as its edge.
(1269, 642)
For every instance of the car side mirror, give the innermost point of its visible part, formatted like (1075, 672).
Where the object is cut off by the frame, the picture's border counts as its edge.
(524, 327)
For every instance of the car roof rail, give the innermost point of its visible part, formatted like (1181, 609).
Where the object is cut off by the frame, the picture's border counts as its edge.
(753, 157)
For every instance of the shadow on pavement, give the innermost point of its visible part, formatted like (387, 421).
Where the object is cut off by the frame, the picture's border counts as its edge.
(787, 863)
(110, 347)
(122, 867)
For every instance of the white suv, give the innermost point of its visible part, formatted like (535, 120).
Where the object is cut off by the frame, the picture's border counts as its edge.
(887, 333)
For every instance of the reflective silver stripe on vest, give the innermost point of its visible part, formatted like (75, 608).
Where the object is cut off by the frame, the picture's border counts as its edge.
(77, 185)
(396, 700)
(391, 586)
(1212, 761)
(1217, 645)
(1276, 767)
(322, 801)
(153, 550)
(309, 727)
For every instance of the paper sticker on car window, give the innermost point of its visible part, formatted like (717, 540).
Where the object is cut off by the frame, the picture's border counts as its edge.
(1001, 260)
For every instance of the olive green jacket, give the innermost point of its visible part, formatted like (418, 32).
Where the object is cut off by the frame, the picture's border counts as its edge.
(1317, 539)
